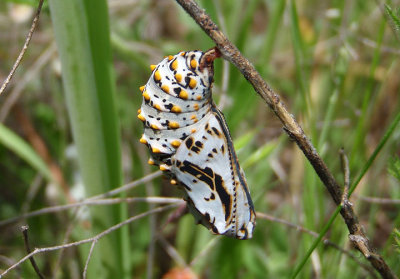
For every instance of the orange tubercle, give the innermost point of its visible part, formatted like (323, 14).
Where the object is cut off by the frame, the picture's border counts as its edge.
(176, 143)
(192, 83)
(173, 125)
(183, 94)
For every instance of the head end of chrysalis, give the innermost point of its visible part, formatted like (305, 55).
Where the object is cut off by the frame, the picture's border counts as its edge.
(207, 60)
(206, 64)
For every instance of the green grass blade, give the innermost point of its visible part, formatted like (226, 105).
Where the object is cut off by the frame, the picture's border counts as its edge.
(244, 140)
(272, 31)
(371, 159)
(81, 31)
(299, 54)
(394, 20)
(360, 130)
(100, 44)
(20, 147)
(315, 243)
(260, 154)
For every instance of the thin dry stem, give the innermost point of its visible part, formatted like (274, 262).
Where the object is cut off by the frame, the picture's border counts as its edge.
(386, 201)
(128, 186)
(30, 74)
(66, 238)
(28, 250)
(346, 171)
(94, 238)
(315, 234)
(31, 192)
(88, 259)
(290, 125)
(24, 48)
(59, 208)
(210, 245)
(171, 251)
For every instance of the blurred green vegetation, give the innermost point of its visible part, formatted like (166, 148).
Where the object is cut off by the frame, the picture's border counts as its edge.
(335, 65)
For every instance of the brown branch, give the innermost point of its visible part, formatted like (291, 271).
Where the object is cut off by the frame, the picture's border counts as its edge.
(290, 125)
(359, 240)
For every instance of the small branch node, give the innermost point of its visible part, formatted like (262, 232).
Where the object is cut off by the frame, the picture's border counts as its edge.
(24, 230)
(346, 170)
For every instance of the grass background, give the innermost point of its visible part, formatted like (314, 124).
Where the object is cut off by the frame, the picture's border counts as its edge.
(335, 64)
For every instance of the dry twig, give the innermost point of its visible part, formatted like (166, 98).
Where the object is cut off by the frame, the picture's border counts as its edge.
(30, 74)
(346, 171)
(59, 208)
(128, 186)
(88, 258)
(315, 234)
(206, 250)
(290, 125)
(88, 240)
(386, 201)
(28, 250)
(24, 48)
(171, 250)
(95, 200)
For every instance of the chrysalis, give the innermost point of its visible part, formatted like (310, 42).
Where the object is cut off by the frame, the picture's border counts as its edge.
(189, 139)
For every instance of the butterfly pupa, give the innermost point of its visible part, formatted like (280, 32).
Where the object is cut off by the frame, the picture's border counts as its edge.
(189, 140)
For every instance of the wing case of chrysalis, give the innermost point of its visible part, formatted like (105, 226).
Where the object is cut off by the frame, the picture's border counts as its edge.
(189, 139)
